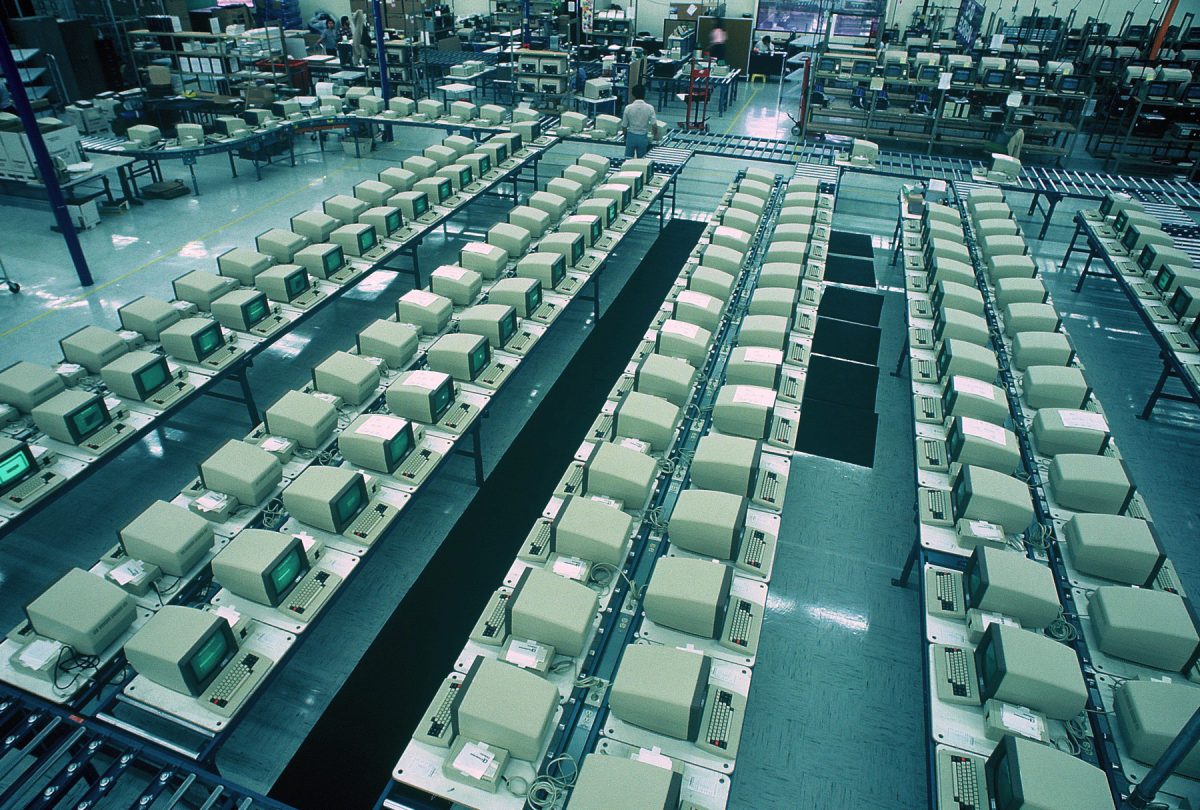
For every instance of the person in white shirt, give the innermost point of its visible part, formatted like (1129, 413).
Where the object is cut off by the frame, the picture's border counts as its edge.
(637, 122)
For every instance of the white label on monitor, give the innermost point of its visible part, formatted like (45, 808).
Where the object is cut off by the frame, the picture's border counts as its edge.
(421, 298)
(1084, 419)
(477, 247)
(380, 426)
(761, 354)
(450, 271)
(127, 572)
(474, 760)
(982, 528)
(688, 330)
(984, 430)
(969, 385)
(754, 395)
(429, 380)
(694, 298)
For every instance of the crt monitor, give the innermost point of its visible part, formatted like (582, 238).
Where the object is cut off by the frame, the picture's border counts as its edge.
(307, 420)
(355, 240)
(462, 356)
(284, 282)
(993, 78)
(929, 73)
(329, 498)
(138, 375)
(512, 239)
(385, 219)
(83, 611)
(279, 244)
(1022, 773)
(691, 596)
(169, 536)
(1029, 669)
(412, 203)
(241, 309)
(17, 464)
(314, 226)
(423, 396)
(962, 75)
(983, 494)
(503, 706)
(591, 530)
(496, 322)
(1069, 84)
(245, 471)
(1158, 90)
(262, 566)
(550, 609)
(394, 343)
(828, 64)
(345, 208)
(1007, 582)
(322, 260)
(377, 442)
(437, 188)
(26, 385)
(606, 781)
(242, 264)
(182, 648)
(92, 347)
(346, 375)
(193, 340)
(1185, 303)
(1032, 82)
(709, 522)
(565, 243)
(549, 269)
(148, 315)
(72, 416)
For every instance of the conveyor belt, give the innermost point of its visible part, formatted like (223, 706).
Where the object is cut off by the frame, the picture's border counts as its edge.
(779, 150)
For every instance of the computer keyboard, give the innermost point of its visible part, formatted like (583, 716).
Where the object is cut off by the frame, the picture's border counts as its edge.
(741, 621)
(493, 624)
(920, 309)
(573, 480)
(929, 408)
(790, 388)
(1165, 580)
(544, 313)
(937, 503)
(754, 550)
(966, 782)
(946, 586)
(29, 489)
(797, 353)
(232, 684)
(958, 671)
(105, 436)
(602, 427)
(368, 521)
(438, 729)
(415, 466)
(541, 537)
(304, 595)
(624, 386)
(782, 431)
(457, 417)
(925, 369)
(767, 488)
(222, 358)
(720, 719)
(492, 375)
(519, 343)
(934, 452)
(269, 326)
(923, 337)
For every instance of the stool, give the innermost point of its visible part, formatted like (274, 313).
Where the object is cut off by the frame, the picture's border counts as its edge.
(761, 77)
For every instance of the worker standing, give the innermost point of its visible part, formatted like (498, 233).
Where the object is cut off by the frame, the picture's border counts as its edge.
(638, 121)
(716, 40)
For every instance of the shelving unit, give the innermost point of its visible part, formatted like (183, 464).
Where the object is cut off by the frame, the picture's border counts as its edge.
(610, 28)
(1146, 135)
(36, 76)
(209, 62)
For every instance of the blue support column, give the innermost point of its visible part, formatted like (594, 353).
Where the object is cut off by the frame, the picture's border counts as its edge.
(1179, 748)
(45, 163)
(385, 82)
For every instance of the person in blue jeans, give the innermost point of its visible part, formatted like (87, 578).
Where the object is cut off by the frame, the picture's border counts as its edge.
(637, 122)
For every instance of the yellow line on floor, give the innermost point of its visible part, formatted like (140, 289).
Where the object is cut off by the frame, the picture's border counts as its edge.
(742, 111)
(165, 255)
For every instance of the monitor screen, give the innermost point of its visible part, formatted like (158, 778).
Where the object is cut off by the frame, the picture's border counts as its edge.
(893, 71)
(366, 239)
(862, 68)
(1129, 238)
(15, 467)
(485, 164)
(349, 503)
(961, 75)
(558, 269)
(993, 78)
(393, 221)
(211, 656)
(576, 251)
(1181, 302)
(441, 399)
(420, 205)
(334, 260)
(443, 190)
(597, 230)
(1106, 66)
(1192, 93)
(1157, 90)
(1031, 82)
(508, 327)
(255, 310)
(929, 73)
(1146, 258)
(827, 65)
(207, 341)
(398, 448)
(296, 283)
(464, 177)
(152, 377)
(287, 572)
(89, 418)
(612, 210)
(480, 357)
(501, 152)
(1069, 84)
(533, 299)
(1194, 332)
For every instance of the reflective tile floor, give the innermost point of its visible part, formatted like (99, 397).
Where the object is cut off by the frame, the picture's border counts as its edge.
(836, 712)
